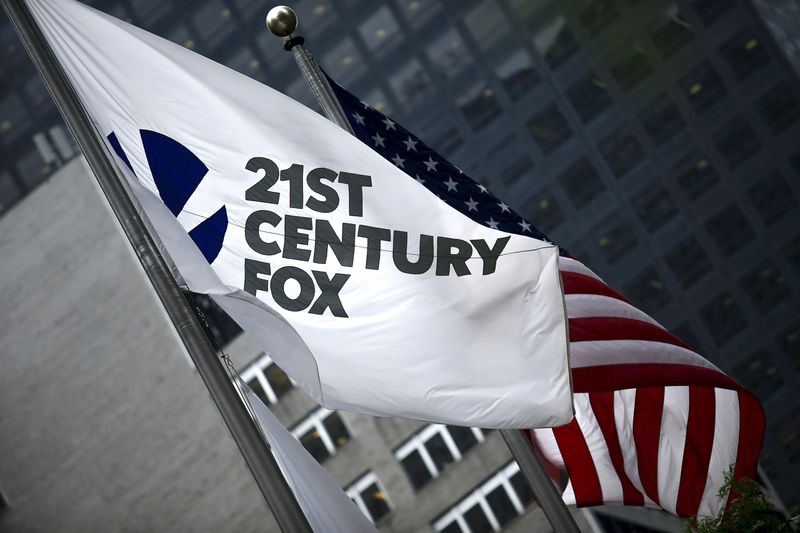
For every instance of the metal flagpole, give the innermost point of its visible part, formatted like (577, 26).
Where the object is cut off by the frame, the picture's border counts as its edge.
(256, 453)
(282, 22)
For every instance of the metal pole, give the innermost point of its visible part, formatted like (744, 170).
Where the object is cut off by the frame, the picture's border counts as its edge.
(282, 21)
(257, 455)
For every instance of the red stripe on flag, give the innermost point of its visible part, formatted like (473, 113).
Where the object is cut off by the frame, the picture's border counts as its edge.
(751, 438)
(697, 450)
(579, 464)
(615, 328)
(647, 415)
(634, 375)
(603, 407)
(575, 283)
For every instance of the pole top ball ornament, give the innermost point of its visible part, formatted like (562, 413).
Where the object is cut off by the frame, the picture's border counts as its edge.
(282, 21)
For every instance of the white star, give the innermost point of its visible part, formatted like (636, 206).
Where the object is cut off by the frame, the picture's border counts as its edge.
(397, 160)
(472, 205)
(483, 189)
(378, 139)
(451, 185)
(358, 118)
(430, 164)
(503, 207)
(525, 226)
(411, 144)
(420, 180)
(389, 124)
(492, 223)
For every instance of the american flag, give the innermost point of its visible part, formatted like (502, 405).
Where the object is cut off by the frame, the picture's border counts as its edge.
(656, 424)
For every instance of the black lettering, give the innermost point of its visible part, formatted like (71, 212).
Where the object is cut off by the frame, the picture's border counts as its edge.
(325, 238)
(252, 232)
(329, 294)
(293, 238)
(355, 183)
(252, 282)
(260, 191)
(278, 289)
(447, 257)
(331, 197)
(294, 175)
(400, 253)
(490, 255)
(374, 238)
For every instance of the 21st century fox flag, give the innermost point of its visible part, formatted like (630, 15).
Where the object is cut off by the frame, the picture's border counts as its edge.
(373, 294)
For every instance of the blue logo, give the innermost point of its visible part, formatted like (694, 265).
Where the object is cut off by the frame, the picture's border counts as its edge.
(177, 173)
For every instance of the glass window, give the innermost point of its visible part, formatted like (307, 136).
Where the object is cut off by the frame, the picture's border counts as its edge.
(418, 12)
(378, 101)
(654, 207)
(702, 86)
(772, 198)
(695, 174)
(518, 167)
(13, 120)
(595, 15)
(486, 23)
(588, 96)
(517, 74)
(549, 128)
(417, 470)
(213, 22)
(737, 141)
(730, 230)
(322, 432)
(615, 242)
(447, 143)
(790, 344)
(448, 54)
(711, 10)
(380, 31)
(479, 106)
(744, 53)
(778, 108)
(502, 506)
(411, 84)
(787, 432)
(439, 451)
(369, 495)
(245, 62)
(581, 182)
(554, 40)
(670, 32)
(688, 261)
(522, 489)
(661, 119)
(765, 286)
(315, 16)
(687, 335)
(647, 291)
(150, 10)
(344, 62)
(266, 378)
(621, 151)
(723, 318)
(792, 252)
(464, 438)
(630, 65)
(543, 211)
(477, 520)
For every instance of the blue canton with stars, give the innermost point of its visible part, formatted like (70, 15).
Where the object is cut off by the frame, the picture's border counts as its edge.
(438, 175)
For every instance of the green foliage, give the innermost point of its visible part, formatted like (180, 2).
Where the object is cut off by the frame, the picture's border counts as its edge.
(750, 511)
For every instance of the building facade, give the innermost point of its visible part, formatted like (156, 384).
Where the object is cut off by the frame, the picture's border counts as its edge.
(657, 141)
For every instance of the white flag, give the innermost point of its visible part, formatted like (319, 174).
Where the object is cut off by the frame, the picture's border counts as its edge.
(370, 292)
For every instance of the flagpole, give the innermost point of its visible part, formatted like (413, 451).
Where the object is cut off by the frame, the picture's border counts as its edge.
(282, 22)
(259, 458)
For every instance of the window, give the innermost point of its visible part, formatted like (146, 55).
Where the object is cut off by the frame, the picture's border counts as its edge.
(772, 198)
(554, 41)
(368, 494)
(380, 31)
(723, 318)
(486, 23)
(448, 54)
(517, 74)
(654, 207)
(449, 142)
(687, 335)
(344, 62)
(661, 119)
(695, 174)
(322, 433)
(490, 506)
(765, 286)
(788, 433)
(792, 252)
(543, 210)
(790, 344)
(730, 230)
(630, 65)
(710, 10)
(688, 261)
(581, 182)
(647, 291)
(616, 241)
(549, 128)
(759, 374)
(597, 15)
(744, 53)
(418, 12)
(671, 32)
(411, 85)
(479, 106)
(702, 86)
(425, 454)
(621, 151)
(315, 15)
(588, 96)
(516, 169)
(737, 141)
(266, 379)
(213, 22)
(778, 108)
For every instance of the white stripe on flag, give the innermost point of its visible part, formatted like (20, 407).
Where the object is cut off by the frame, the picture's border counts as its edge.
(589, 353)
(595, 305)
(610, 484)
(672, 440)
(724, 450)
